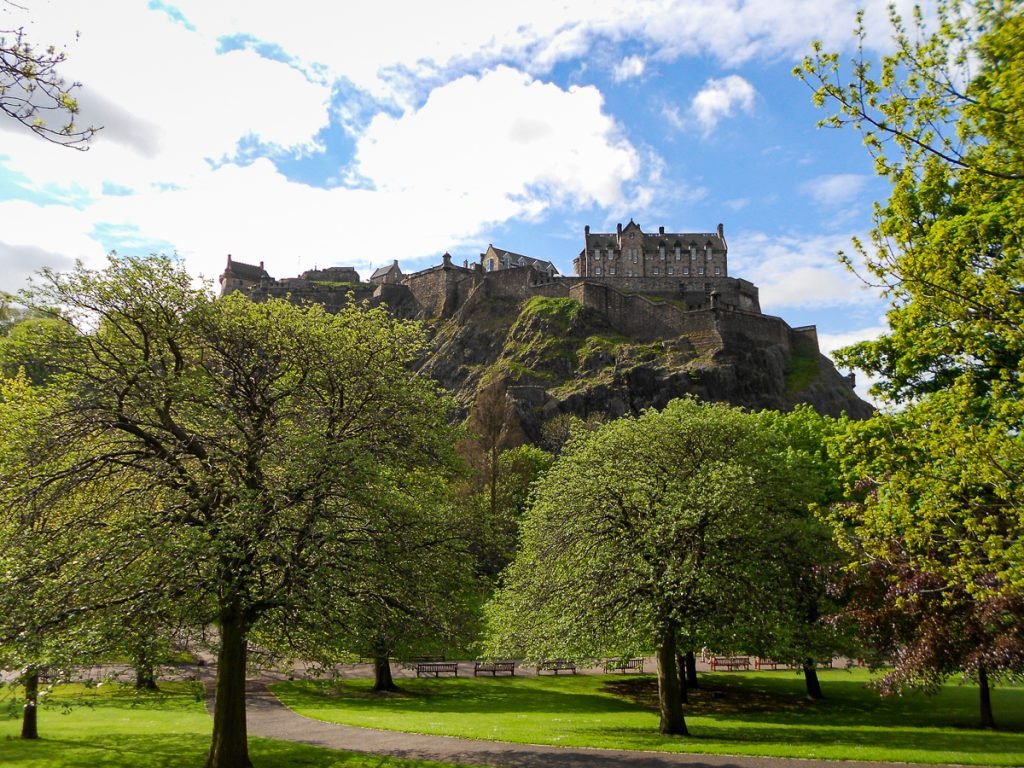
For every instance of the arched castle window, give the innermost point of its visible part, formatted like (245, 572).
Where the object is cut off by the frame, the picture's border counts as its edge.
(678, 249)
(661, 252)
(693, 250)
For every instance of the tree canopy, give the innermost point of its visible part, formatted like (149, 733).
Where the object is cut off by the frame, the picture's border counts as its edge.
(253, 463)
(643, 535)
(934, 519)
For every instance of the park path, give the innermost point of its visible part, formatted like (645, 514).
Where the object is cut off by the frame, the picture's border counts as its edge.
(269, 718)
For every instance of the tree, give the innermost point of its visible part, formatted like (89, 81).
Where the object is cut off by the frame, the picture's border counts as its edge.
(252, 449)
(32, 91)
(646, 531)
(936, 534)
(943, 122)
(492, 532)
(807, 558)
(933, 520)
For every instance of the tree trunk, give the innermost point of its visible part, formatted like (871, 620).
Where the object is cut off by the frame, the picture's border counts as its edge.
(987, 721)
(30, 717)
(673, 722)
(382, 680)
(691, 670)
(811, 681)
(145, 672)
(680, 666)
(230, 747)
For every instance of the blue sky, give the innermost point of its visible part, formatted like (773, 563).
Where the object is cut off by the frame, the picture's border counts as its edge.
(314, 134)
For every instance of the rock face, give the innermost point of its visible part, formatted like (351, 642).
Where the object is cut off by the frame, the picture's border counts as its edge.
(557, 356)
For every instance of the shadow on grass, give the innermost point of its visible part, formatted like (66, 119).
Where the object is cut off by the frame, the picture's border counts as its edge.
(164, 751)
(452, 696)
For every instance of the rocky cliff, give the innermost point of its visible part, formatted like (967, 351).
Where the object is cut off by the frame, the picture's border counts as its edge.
(556, 356)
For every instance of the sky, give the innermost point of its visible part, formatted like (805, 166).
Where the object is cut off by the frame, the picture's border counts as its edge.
(312, 134)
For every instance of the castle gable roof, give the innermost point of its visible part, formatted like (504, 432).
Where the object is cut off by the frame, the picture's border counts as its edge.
(245, 271)
(382, 271)
(519, 260)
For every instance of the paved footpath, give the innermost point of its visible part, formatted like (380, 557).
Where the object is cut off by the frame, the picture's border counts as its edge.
(268, 717)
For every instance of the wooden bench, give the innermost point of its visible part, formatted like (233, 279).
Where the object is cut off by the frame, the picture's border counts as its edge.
(729, 663)
(494, 668)
(760, 663)
(437, 668)
(556, 666)
(624, 665)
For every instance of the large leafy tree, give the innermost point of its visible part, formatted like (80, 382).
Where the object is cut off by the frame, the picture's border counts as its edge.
(644, 534)
(254, 450)
(935, 516)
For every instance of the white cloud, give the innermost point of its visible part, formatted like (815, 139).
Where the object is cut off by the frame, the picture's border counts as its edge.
(835, 190)
(798, 271)
(507, 142)
(829, 342)
(721, 98)
(377, 45)
(628, 68)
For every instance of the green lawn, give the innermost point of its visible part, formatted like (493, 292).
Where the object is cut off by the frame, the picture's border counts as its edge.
(113, 727)
(751, 714)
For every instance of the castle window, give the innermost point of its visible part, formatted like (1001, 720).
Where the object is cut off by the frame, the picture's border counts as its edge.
(693, 250)
(597, 271)
(707, 251)
(597, 256)
(669, 271)
(700, 270)
(677, 253)
(686, 270)
(656, 271)
(718, 271)
(661, 252)
(611, 270)
(633, 254)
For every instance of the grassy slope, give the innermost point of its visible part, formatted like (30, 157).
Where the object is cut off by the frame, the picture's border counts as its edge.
(765, 716)
(113, 727)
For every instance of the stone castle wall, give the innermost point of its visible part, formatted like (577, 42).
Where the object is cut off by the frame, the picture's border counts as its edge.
(636, 307)
(302, 291)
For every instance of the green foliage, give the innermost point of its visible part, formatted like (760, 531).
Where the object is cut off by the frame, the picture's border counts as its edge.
(934, 518)
(942, 120)
(645, 532)
(32, 90)
(251, 465)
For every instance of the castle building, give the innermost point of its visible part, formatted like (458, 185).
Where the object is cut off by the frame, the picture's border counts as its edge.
(238, 276)
(390, 275)
(671, 256)
(495, 259)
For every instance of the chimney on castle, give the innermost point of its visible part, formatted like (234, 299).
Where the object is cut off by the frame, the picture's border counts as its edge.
(661, 230)
(618, 228)
(721, 231)
(446, 259)
(261, 263)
